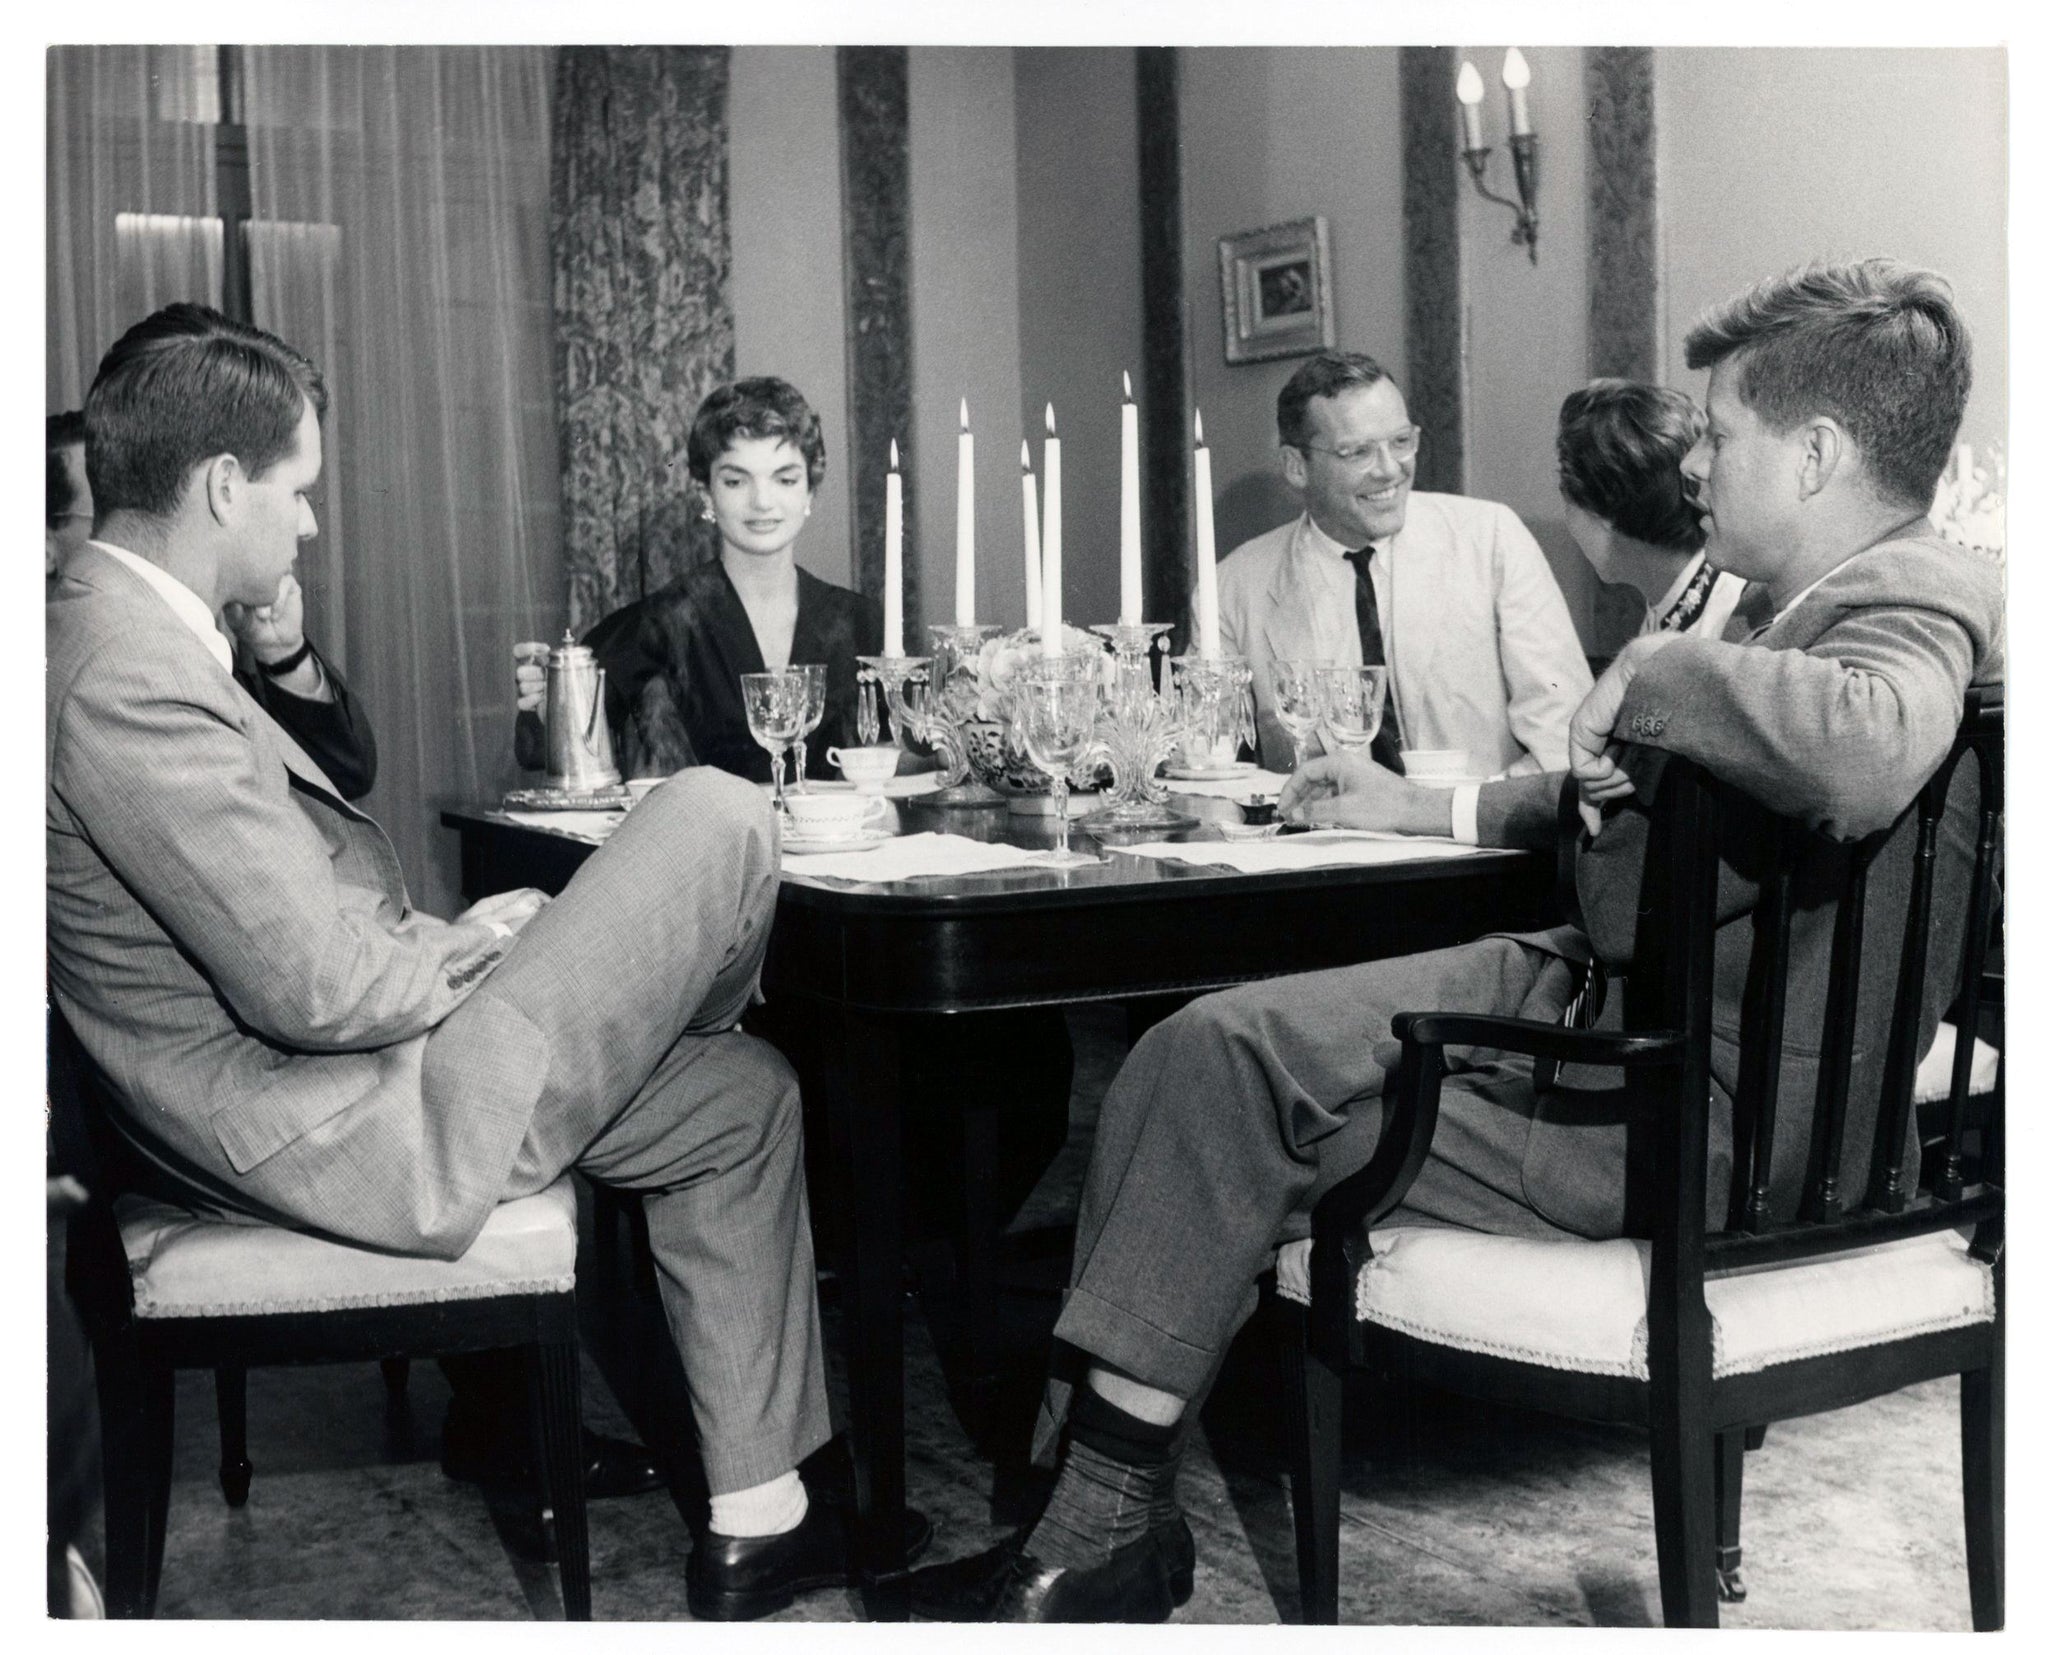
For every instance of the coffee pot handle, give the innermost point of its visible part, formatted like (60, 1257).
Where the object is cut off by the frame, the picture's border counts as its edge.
(596, 710)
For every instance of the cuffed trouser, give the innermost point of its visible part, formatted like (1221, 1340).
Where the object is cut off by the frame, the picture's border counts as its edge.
(637, 975)
(1231, 1118)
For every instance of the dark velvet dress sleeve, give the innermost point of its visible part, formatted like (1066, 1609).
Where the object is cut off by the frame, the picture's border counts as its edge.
(635, 648)
(336, 735)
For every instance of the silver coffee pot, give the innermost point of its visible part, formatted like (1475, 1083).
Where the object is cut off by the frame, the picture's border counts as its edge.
(579, 740)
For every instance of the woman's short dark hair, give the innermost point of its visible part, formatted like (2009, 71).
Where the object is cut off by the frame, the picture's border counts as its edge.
(764, 407)
(60, 497)
(180, 387)
(1877, 346)
(1618, 448)
(1322, 375)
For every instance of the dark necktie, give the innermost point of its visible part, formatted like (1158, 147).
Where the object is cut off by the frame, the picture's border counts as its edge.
(1372, 650)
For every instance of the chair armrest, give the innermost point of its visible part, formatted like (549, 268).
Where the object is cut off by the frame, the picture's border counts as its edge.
(1342, 1222)
(1534, 1038)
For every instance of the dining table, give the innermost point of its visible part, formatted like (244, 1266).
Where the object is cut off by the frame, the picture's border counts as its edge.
(868, 966)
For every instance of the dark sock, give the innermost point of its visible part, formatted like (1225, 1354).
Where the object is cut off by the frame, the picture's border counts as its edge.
(1116, 1477)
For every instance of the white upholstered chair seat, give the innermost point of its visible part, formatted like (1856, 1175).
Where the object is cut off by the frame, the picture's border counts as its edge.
(1930, 1080)
(1580, 1305)
(187, 1264)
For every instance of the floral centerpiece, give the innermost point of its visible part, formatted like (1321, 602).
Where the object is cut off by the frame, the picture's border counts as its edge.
(990, 678)
(1969, 500)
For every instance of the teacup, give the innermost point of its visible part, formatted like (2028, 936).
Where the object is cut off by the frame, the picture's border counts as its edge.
(831, 815)
(1436, 766)
(866, 767)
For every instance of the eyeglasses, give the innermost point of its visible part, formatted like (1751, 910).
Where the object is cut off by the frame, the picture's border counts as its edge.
(1399, 448)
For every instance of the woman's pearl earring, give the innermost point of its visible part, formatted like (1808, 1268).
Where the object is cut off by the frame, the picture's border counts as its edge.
(708, 514)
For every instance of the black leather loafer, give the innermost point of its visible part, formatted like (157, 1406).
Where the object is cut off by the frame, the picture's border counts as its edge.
(1005, 1583)
(730, 1579)
(612, 1468)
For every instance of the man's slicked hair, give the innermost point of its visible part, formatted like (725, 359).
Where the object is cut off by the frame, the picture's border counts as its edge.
(1618, 448)
(763, 407)
(180, 387)
(1323, 375)
(1877, 346)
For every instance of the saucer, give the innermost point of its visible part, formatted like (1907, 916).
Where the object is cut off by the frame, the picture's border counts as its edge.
(866, 839)
(1210, 772)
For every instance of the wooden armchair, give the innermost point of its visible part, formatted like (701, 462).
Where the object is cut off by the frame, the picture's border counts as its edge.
(1721, 1321)
(160, 1288)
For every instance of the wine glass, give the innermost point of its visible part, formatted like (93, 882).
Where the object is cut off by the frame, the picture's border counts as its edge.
(1298, 700)
(814, 715)
(1058, 697)
(1352, 697)
(775, 715)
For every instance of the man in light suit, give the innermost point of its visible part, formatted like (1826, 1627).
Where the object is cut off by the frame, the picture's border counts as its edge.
(288, 1037)
(1452, 595)
(1835, 396)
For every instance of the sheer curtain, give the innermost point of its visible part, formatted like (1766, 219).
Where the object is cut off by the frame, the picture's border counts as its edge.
(399, 235)
(133, 218)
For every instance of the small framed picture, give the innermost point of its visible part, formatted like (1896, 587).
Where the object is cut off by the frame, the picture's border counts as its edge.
(1276, 291)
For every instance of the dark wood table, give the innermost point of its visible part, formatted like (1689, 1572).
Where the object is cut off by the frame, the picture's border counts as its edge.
(870, 964)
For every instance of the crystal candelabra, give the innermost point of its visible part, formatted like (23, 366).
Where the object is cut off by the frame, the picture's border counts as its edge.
(1215, 707)
(930, 698)
(1137, 732)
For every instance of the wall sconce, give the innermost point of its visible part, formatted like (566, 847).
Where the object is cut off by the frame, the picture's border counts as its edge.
(1514, 75)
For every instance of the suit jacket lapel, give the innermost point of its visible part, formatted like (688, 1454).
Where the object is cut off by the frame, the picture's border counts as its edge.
(1296, 620)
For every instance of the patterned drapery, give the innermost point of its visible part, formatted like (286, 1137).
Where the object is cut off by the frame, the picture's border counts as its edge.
(643, 318)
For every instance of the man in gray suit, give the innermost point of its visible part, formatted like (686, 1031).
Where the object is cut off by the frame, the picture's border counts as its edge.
(288, 1037)
(1834, 399)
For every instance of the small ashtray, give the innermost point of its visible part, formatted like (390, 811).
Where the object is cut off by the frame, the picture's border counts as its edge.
(1248, 833)
(1259, 810)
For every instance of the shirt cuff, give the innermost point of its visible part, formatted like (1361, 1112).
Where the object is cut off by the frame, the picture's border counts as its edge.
(1465, 813)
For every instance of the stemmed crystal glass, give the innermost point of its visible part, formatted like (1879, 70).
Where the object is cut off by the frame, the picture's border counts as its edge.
(1298, 700)
(814, 715)
(1352, 697)
(775, 715)
(1058, 698)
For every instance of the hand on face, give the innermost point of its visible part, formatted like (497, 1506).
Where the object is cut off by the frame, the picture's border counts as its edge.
(273, 630)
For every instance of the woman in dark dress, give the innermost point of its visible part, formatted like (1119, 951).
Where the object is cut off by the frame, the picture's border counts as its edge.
(673, 660)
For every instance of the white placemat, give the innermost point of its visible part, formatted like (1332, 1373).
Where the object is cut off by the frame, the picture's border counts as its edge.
(592, 825)
(1338, 848)
(1240, 788)
(913, 856)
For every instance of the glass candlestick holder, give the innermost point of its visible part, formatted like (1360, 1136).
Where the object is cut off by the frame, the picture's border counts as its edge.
(925, 699)
(1136, 733)
(1216, 714)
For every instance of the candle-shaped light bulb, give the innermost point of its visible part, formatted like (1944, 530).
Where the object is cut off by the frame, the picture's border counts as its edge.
(1033, 597)
(1514, 75)
(1049, 545)
(892, 558)
(963, 527)
(1471, 94)
(1131, 558)
(1208, 632)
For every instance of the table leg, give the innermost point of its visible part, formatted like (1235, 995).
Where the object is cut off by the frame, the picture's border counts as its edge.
(863, 1096)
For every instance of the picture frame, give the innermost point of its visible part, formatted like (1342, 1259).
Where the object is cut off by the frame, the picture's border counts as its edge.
(1276, 291)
